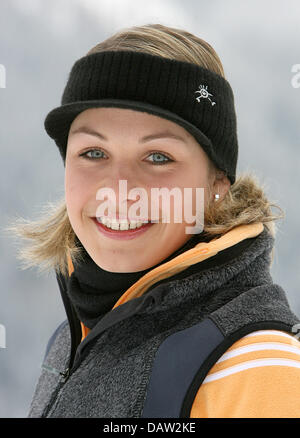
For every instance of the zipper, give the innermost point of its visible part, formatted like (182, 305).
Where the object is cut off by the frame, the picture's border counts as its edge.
(65, 374)
(52, 370)
(64, 377)
(75, 358)
(55, 393)
(73, 365)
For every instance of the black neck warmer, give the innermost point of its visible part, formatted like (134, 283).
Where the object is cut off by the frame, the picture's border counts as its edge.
(94, 291)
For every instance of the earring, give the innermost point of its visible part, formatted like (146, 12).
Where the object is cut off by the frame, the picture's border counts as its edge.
(217, 196)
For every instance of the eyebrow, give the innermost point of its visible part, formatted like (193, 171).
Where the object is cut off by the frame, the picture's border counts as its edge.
(163, 134)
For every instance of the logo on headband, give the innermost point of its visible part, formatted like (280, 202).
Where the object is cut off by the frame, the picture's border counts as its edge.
(204, 94)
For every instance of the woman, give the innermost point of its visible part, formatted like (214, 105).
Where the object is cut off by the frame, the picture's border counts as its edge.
(163, 320)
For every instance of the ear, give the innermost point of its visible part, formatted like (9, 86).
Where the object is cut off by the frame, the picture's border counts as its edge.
(220, 185)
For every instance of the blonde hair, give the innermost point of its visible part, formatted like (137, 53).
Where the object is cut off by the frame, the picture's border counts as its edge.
(51, 237)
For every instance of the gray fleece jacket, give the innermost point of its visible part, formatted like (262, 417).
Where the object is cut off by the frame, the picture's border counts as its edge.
(149, 356)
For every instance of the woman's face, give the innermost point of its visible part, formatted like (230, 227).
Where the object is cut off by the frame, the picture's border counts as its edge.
(120, 152)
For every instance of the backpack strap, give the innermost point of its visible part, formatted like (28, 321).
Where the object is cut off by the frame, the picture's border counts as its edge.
(182, 362)
(176, 363)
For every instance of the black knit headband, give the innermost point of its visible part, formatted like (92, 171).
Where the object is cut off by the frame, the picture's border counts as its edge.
(194, 97)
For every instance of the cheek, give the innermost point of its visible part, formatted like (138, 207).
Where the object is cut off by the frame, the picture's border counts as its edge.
(190, 190)
(194, 189)
(198, 180)
(75, 192)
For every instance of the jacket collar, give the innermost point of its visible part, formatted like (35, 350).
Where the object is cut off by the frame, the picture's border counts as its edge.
(203, 252)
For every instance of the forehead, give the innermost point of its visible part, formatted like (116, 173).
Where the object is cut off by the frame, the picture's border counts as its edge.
(126, 119)
(113, 124)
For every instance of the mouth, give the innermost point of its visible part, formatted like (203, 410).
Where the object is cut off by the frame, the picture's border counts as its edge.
(122, 229)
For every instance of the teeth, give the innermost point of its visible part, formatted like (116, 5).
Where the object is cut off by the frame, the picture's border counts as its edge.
(120, 225)
(114, 225)
(132, 225)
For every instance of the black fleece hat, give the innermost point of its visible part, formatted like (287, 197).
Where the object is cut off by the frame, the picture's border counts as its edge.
(199, 100)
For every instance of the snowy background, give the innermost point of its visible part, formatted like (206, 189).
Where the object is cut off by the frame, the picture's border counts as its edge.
(258, 43)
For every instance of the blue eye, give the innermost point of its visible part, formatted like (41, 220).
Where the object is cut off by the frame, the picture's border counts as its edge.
(97, 151)
(162, 160)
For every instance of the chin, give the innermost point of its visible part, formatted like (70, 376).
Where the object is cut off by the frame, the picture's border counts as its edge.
(120, 267)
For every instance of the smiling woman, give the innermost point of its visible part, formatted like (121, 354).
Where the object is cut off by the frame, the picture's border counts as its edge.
(129, 142)
(160, 323)
(51, 238)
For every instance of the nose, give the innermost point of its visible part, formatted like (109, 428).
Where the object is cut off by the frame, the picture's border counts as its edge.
(121, 171)
(116, 187)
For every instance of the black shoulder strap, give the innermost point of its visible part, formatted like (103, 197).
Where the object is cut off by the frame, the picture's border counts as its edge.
(176, 363)
(182, 362)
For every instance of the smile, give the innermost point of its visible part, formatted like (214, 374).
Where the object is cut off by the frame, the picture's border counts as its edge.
(122, 229)
(122, 224)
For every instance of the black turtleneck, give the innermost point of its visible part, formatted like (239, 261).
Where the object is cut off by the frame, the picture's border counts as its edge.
(93, 291)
